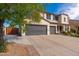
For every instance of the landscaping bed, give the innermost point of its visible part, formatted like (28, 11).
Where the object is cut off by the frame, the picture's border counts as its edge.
(71, 34)
(14, 49)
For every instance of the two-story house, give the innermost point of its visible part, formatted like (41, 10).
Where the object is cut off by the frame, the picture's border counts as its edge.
(50, 24)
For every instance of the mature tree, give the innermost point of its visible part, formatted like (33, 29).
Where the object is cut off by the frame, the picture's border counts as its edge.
(16, 13)
(26, 11)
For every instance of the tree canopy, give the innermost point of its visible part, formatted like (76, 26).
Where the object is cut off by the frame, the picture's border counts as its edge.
(26, 11)
(17, 12)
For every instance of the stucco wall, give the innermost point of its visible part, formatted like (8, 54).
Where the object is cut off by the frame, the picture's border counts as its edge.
(61, 19)
(42, 22)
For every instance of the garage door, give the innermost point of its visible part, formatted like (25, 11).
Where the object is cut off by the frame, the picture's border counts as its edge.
(36, 30)
(52, 29)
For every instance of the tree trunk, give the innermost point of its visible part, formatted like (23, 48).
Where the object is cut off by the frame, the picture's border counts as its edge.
(19, 34)
(21, 30)
(1, 31)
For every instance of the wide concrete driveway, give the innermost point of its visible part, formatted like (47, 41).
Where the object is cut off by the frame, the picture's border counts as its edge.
(55, 45)
(50, 45)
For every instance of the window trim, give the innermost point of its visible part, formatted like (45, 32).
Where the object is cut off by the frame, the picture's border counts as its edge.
(48, 16)
(64, 19)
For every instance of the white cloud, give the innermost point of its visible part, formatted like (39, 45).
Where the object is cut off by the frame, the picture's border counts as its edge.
(73, 12)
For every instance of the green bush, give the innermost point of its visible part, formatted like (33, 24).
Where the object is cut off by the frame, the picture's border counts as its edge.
(3, 46)
(73, 30)
(76, 35)
(71, 33)
(66, 32)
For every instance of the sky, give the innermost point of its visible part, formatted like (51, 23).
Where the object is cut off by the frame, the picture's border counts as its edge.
(72, 9)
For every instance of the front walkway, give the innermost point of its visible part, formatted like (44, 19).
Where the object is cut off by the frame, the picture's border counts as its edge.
(51, 45)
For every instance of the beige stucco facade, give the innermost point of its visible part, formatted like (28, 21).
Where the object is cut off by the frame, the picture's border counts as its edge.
(44, 22)
(63, 19)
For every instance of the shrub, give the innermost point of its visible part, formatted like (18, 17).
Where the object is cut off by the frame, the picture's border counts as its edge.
(66, 32)
(73, 30)
(71, 33)
(76, 35)
(3, 46)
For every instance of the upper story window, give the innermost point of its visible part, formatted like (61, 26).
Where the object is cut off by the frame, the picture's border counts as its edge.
(48, 16)
(56, 18)
(64, 19)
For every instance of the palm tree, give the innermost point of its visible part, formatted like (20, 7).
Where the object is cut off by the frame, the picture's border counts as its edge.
(16, 13)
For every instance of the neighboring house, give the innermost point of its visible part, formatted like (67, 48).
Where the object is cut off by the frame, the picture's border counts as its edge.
(74, 24)
(50, 24)
(11, 31)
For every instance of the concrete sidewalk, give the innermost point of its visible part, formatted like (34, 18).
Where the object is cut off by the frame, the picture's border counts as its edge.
(18, 39)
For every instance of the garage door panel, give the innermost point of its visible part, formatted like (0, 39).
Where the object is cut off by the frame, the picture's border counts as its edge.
(37, 30)
(52, 29)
